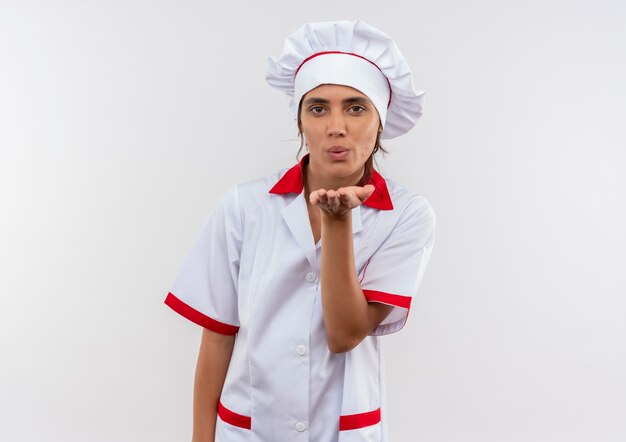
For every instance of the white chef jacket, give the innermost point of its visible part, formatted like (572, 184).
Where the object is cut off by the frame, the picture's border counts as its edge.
(254, 271)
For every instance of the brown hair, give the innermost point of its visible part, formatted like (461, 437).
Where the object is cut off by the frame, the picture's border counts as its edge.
(367, 173)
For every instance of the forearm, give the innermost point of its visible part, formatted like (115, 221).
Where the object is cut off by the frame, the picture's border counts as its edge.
(345, 309)
(213, 360)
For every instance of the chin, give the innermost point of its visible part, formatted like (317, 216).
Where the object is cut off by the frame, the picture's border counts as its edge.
(345, 169)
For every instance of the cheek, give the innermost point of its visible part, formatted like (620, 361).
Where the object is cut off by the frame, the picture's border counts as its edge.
(310, 132)
(313, 138)
(368, 140)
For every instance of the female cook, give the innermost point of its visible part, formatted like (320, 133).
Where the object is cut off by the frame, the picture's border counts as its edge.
(294, 277)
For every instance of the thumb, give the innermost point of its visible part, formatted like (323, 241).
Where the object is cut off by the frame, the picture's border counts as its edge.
(365, 192)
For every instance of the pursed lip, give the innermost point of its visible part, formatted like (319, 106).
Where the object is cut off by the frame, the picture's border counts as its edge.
(337, 149)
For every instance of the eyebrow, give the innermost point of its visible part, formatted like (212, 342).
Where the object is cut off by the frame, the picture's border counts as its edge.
(350, 100)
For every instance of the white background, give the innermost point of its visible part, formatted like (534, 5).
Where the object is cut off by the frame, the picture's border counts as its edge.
(121, 123)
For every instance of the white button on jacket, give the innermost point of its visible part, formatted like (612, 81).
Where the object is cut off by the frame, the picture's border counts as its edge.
(311, 277)
(252, 271)
(301, 350)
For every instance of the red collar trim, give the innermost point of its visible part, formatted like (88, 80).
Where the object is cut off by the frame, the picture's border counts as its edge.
(292, 182)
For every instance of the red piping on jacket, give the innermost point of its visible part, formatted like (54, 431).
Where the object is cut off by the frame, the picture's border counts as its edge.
(359, 420)
(388, 298)
(232, 418)
(198, 317)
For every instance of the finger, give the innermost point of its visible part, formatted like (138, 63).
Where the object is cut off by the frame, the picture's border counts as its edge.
(365, 192)
(346, 202)
(322, 196)
(314, 197)
(351, 200)
(333, 199)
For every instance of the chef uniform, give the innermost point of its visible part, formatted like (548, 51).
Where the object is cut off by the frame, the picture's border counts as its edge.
(254, 270)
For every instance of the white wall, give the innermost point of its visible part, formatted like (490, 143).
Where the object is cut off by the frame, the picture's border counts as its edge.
(121, 123)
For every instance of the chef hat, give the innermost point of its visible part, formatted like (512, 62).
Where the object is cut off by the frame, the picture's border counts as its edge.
(352, 54)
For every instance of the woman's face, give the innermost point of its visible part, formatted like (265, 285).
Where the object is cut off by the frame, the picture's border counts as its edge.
(340, 125)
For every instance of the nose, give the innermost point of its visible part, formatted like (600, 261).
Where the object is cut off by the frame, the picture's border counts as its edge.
(336, 124)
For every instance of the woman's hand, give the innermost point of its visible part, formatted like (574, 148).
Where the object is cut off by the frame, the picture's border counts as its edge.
(337, 203)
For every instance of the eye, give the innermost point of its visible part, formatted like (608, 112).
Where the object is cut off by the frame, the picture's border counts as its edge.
(316, 110)
(356, 109)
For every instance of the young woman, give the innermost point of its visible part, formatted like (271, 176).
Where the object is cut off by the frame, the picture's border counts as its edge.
(294, 277)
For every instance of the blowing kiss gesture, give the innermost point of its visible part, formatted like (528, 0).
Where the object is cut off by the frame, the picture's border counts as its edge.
(337, 203)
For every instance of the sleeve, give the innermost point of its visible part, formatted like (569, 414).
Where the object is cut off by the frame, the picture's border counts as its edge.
(394, 272)
(205, 288)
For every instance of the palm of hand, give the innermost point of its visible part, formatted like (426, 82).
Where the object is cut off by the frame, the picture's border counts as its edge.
(337, 203)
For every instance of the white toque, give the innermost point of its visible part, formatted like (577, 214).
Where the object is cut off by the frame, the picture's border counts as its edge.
(352, 54)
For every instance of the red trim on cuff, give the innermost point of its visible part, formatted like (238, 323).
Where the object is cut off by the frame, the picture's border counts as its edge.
(359, 420)
(388, 298)
(230, 417)
(198, 317)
